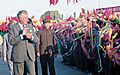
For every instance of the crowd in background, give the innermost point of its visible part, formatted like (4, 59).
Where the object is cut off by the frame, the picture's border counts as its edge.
(90, 42)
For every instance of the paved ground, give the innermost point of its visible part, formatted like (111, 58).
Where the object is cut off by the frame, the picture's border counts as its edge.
(61, 69)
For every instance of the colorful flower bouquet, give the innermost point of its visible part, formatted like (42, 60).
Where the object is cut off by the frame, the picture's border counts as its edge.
(3, 27)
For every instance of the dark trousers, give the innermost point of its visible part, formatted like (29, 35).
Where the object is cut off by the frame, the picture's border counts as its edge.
(36, 67)
(47, 61)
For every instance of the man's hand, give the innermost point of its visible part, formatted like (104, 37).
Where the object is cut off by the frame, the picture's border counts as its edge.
(50, 52)
(4, 59)
(29, 35)
(25, 31)
(38, 54)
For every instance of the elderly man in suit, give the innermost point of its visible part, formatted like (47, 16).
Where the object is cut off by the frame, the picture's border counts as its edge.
(23, 39)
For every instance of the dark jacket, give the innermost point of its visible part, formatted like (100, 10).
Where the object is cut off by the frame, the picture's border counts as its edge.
(46, 40)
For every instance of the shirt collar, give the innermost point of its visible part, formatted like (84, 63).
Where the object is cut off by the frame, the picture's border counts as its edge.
(21, 25)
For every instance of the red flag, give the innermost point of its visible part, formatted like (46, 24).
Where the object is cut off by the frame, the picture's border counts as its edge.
(15, 18)
(9, 19)
(88, 12)
(32, 17)
(107, 13)
(51, 2)
(54, 2)
(94, 12)
(70, 19)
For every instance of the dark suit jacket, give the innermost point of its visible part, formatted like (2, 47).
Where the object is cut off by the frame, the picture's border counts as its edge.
(21, 46)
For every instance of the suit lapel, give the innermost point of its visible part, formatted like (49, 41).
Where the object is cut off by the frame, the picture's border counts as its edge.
(18, 27)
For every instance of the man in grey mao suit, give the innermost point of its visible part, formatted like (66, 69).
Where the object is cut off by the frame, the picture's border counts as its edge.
(6, 53)
(23, 38)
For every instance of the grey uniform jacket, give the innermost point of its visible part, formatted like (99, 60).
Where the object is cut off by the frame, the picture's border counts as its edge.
(21, 47)
(7, 48)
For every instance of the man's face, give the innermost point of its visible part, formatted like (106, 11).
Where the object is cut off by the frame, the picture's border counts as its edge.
(47, 25)
(23, 19)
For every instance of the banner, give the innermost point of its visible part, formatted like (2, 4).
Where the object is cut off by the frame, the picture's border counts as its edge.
(112, 9)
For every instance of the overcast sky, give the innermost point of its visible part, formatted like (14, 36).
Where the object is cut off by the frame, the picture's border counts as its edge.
(38, 7)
